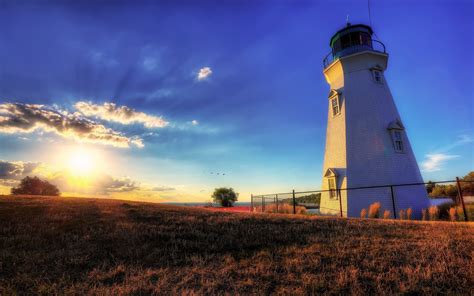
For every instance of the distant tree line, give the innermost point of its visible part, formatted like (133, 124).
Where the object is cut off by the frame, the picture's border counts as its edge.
(35, 186)
(314, 198)
(451, 190)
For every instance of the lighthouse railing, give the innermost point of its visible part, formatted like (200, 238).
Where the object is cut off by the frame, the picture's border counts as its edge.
(355, 46)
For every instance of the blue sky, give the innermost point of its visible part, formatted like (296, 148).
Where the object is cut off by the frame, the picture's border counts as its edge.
(258, 115)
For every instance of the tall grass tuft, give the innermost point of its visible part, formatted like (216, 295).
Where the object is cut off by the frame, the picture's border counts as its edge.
(433, 213)
(363, 213)
(401, 214)
(424, 215)
(282, 209)
(374, 210)
(452, 214)
(386, 214)
(409, 213)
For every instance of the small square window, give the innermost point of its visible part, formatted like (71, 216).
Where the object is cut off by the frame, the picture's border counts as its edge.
(377, 75)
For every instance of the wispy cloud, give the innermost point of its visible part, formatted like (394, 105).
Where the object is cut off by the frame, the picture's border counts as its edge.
(15, 170)
(27, 118)
(435, 162)
(204, 73)
(99, 58)
(120, 114)
(150, 63)
(194, 122)
(461, 140)
(162, 188)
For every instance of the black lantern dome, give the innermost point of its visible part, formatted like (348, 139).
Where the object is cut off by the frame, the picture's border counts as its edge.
(352, 39)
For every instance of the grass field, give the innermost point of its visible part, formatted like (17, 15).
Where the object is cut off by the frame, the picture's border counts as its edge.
(107, 247)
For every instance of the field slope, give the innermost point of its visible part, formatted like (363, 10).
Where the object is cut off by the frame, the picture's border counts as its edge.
(107, 247)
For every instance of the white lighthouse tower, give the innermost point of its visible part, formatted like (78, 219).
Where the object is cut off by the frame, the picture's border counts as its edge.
(366, 140)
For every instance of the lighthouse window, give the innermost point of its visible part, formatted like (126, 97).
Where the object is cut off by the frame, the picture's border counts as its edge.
(377, 76)
(398, 140)
(335, 106)
(332, 187)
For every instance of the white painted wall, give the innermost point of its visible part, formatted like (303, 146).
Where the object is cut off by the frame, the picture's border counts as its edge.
(359, 145)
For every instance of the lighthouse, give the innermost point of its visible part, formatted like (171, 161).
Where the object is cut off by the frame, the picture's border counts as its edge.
(366, 139)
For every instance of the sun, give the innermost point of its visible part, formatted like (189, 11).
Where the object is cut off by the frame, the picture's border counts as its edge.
(81, 162)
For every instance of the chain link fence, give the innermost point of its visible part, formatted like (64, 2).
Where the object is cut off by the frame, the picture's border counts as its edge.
(442, 200)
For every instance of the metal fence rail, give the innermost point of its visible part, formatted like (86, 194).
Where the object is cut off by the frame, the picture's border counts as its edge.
(290, 202)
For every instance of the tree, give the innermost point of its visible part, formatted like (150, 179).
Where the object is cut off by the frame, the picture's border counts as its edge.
(225, 196)
(35, 186)
(430, 186)
(468, 187)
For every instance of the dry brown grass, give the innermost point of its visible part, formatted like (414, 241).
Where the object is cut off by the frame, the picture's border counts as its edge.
(433, 213)
(107, 247)
(401, 214)
(374, 210)
(409, 213)
(452, 214)
(363, 213)
(282, 208)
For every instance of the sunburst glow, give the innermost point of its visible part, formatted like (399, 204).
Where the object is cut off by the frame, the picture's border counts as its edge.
(81, 162)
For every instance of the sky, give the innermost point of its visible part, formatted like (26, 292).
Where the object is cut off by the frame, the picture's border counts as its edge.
(167, 100)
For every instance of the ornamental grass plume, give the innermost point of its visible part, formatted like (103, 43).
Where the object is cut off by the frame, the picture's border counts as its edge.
(386, 214)
(424, 215)
(409, 212)
(452, 214)
(363, 213)
(374, 210)
(282, 208)
(401, 214)
(433, 213)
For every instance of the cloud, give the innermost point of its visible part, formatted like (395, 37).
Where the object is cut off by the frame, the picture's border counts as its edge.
(163, 188)
(204, 73)
(16, 170)
(150, 63)
(26, 118)
(434, 162)
(461, 140)
(108, 184)
(122, 114)
(100, 184)
(194, 122)
(99, 58)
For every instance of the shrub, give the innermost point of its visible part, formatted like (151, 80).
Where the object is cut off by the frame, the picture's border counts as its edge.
(409, 213)
(401, 215)
(225, 196)
(363, 213)
(386, 214)
(444, 210)
(433, 213)
(374, 210)
(35, 186)
(452, 214)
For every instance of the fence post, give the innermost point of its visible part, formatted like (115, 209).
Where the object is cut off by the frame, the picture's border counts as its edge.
(338, 192)
(393, 203)
(276, 201)
(251, 202)
(294, 202)
(462, 199)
